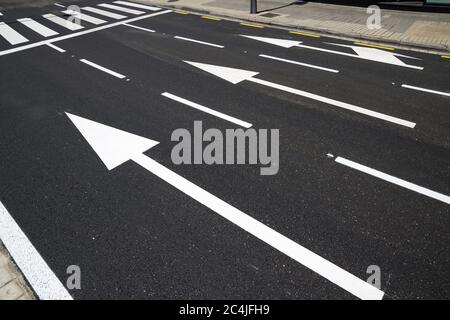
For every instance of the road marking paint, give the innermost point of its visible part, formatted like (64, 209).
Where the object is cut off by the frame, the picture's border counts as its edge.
(104, 13)
(96, 66)
(37, 272)
(394, 180)
(182, 12)
(80, 33)
(140, 28)
(37, 27)
(62, 22)
(305, 34)
(251, 25)
(211, 18)
(118, 8)
(445, 57)
(137, 5)
(298, 63)
(11, 35)
(426, 90)
(85, 17)
(59, 5)
(207, 110)
(56, 48)
(373, 46)
(1, 14)
(200, 42)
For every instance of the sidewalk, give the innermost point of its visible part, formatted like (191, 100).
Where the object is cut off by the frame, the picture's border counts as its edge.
(12, 285)
(417, 30)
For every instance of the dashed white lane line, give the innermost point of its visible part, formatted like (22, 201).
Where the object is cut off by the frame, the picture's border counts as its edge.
(298, 63)
(56, 48)
(96, 66)
(11, 35)
(80, 33)
(104, 13)
(118, 8)
(63, 22)
(137, 5)
(37, 27)
(38, 274)
(59, 5)
(85, 17)
(200, 42)
(426, 90)
(207, 110)
(394, 180)
(140, 28)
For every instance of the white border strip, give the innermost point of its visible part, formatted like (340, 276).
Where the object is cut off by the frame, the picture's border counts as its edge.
(140, 28)
(96, 66)
(426, 90)
(80, 33)
(207, 110)
(39, 275)
(394, 180)
(200, 42)
(298, 63)
(56, 48)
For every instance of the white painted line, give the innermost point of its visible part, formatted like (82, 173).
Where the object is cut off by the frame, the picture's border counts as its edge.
(394, 180)
(1, 14)
(56, 48)
(137, 5)
(298, 63)
(140, 28)
(37, 27)
(118, 8)
(85, 17)
(200, 42)
(207, 110)
(104, 13)
(63, 22)
(38, 274)
(336, 103)
(426, 90)
(80, 33)
(59, 5)
(11, 35)
(96, 66)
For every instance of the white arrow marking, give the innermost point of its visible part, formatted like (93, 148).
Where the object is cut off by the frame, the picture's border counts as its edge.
(114, 147)
(371, 54)
(298, 63)
(237, 75)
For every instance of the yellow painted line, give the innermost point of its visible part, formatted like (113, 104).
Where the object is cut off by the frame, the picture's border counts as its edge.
(181, 12)
(445, 57)
(211, 18)
(373, 46)
(305, 34)
(251, 25)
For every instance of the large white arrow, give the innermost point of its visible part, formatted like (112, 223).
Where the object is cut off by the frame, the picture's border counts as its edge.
(236, 76)
(115, 147)
(371, 54)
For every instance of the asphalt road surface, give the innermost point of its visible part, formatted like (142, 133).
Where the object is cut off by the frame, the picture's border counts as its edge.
(363, 174)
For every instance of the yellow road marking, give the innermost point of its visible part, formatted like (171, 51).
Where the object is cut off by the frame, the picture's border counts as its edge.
(211, 18)
(373, 46)
(305, 34)
(181, 12)
(251, 25)
(445, 57)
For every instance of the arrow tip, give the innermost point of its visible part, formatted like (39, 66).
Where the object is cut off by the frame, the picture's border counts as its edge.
(229, 74)
(275, 41)
(113, 146)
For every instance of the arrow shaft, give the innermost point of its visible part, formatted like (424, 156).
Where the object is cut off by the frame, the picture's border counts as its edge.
(309, 259)
(335, 103)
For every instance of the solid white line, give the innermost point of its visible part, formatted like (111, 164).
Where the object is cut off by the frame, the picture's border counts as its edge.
(96, 66)
(56, 48)
(11, 35)
(140, 28)
(336, 103)
(104, 13)
(298, 63)
(85, 17)
(426, 90)
(63, 22)
(394, 180)
(80, 33)
(200, 42)
(207, 110)
(38, 274)
(59, 5)
(309, 259)
(127, 10)
(37, 27)
(137, 5)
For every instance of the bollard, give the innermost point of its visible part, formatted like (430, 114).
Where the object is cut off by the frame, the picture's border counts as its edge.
(253, 6)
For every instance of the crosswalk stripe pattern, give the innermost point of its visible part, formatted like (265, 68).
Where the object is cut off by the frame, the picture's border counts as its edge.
(85, 17)
(11, 35)
(63, 22)
(136, 5)
(37, 27)
(127, 10)
(104, 13)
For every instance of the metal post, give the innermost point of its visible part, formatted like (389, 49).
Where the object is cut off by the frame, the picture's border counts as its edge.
(253, 6)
